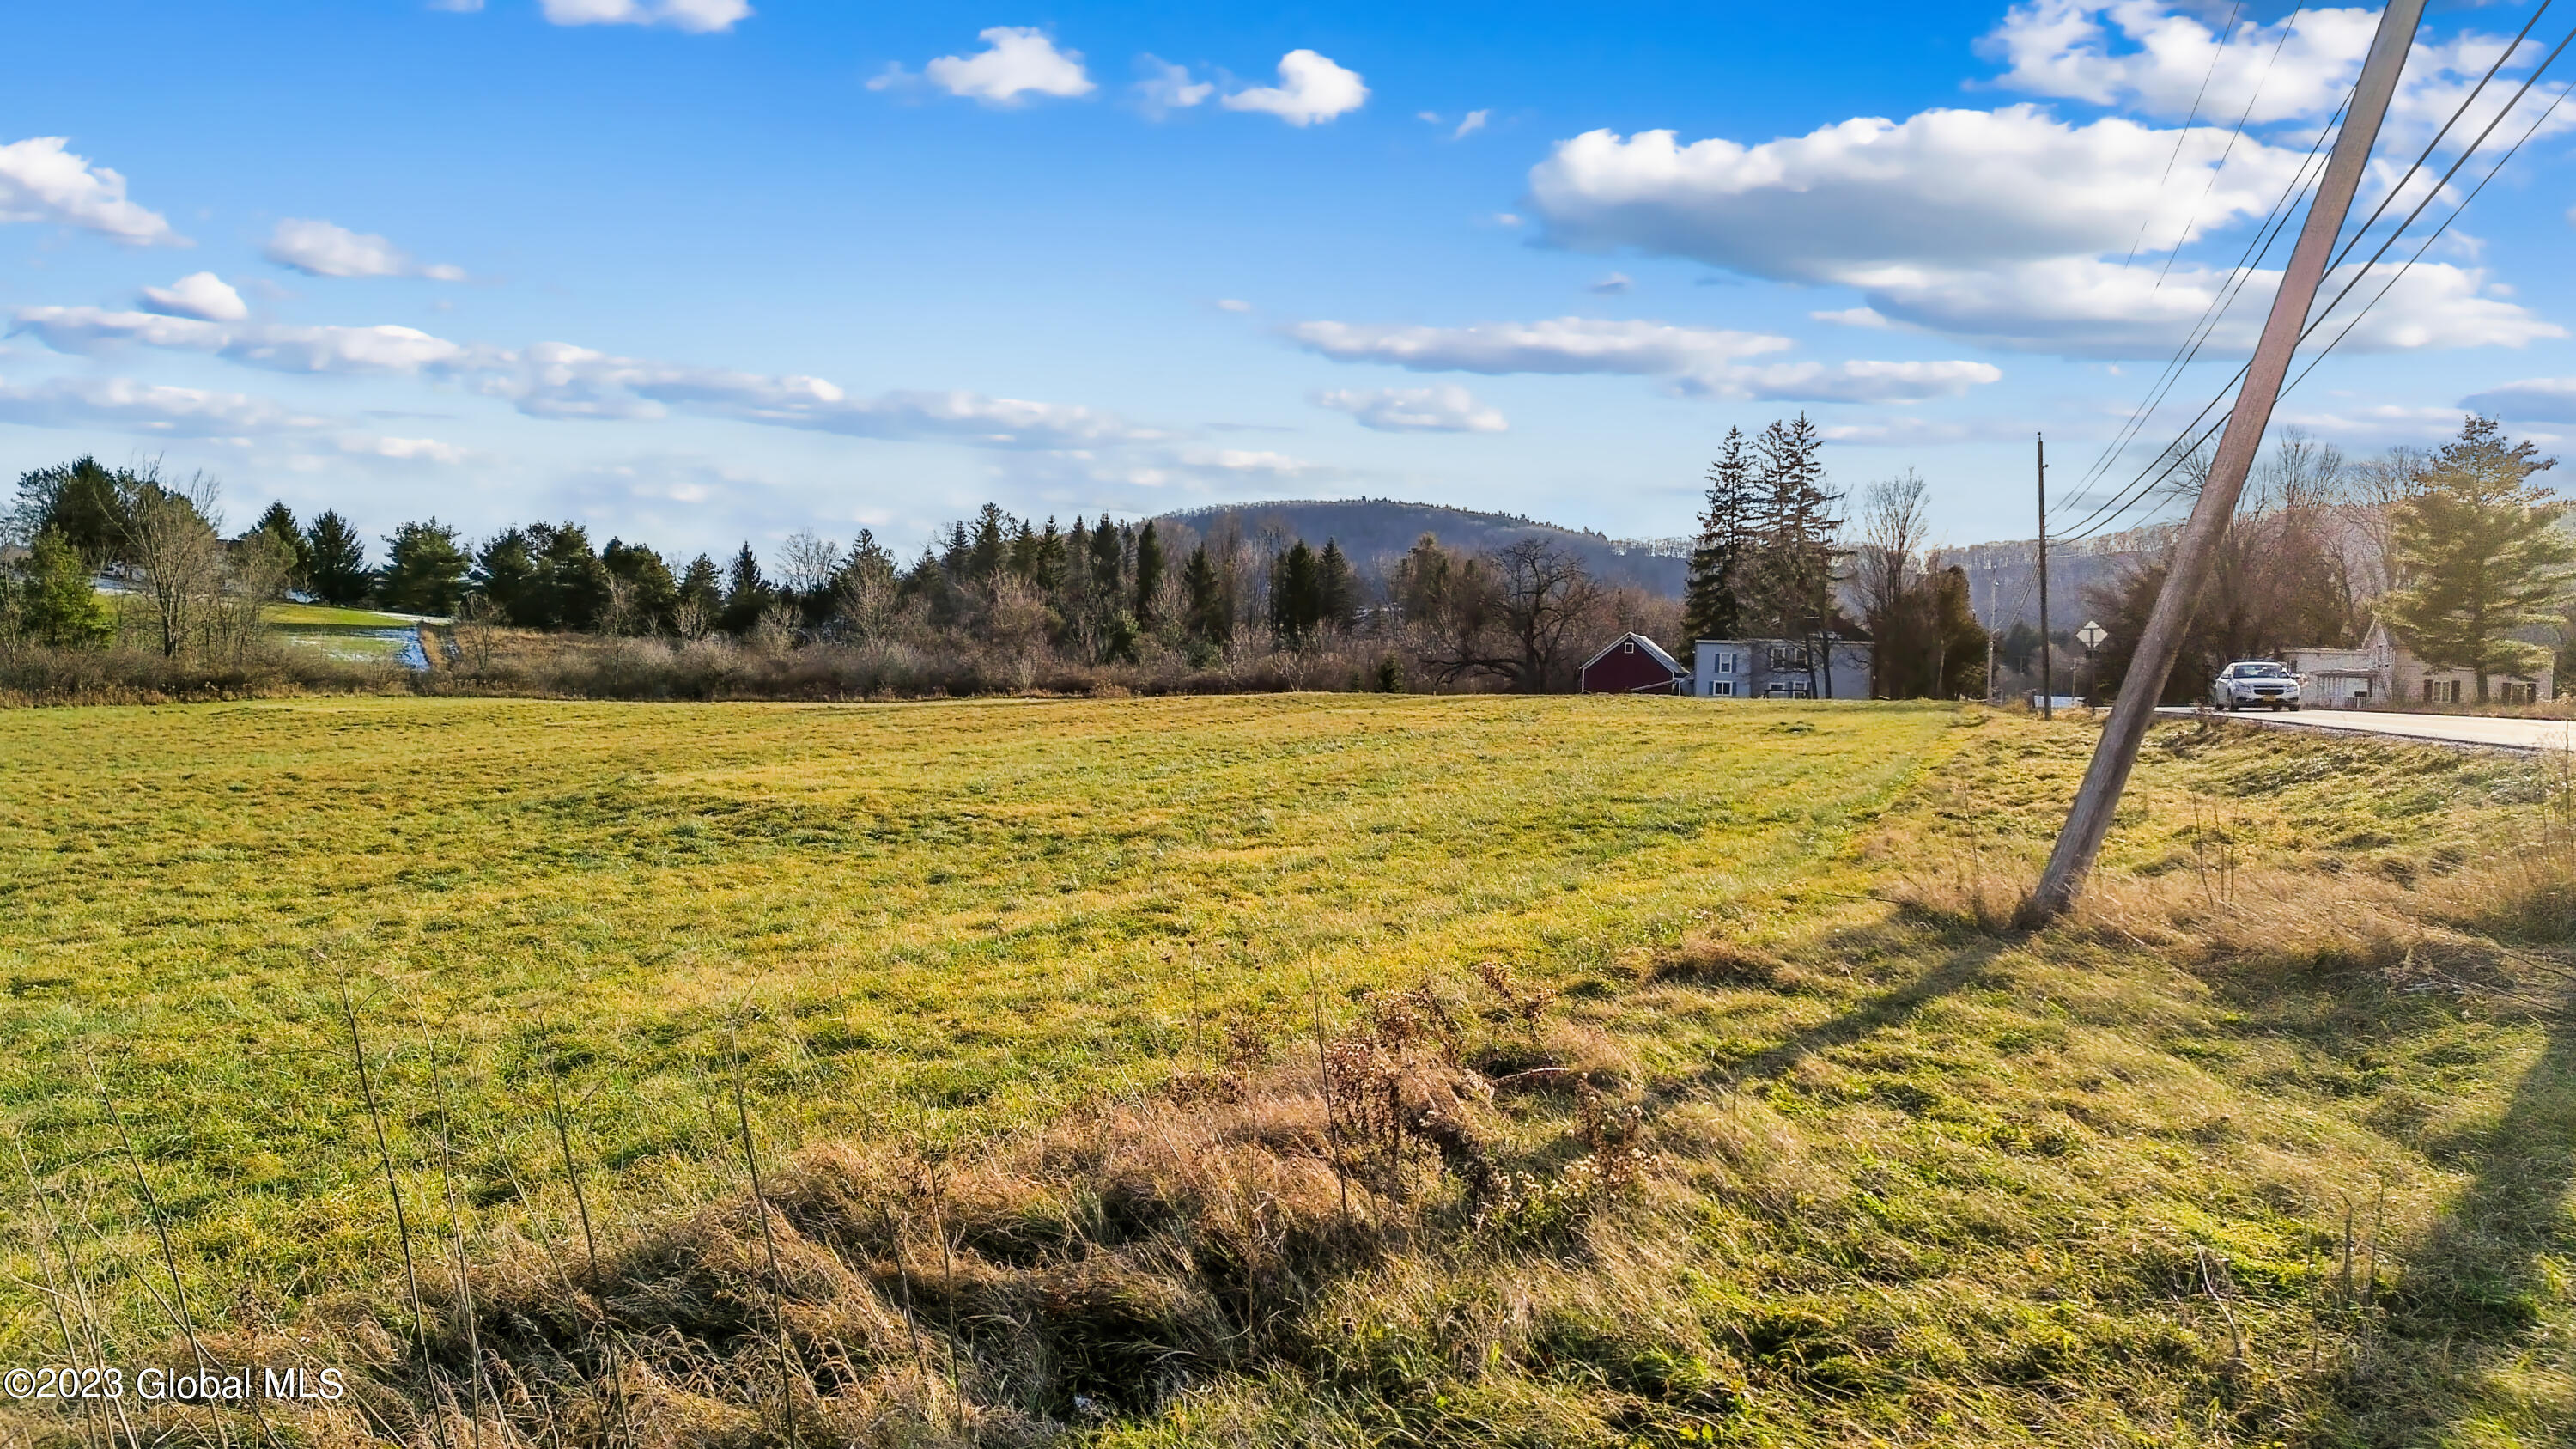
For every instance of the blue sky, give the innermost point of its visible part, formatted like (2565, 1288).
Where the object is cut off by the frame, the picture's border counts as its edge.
(702, 270)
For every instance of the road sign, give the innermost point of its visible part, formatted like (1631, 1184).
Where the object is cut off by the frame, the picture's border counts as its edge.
(2091, 635)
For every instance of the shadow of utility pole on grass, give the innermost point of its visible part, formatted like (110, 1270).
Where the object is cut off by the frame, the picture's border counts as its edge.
(1888, 1009)
(2473, 1296)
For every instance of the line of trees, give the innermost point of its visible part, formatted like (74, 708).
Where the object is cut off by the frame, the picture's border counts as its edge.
(1017, 599)
(2456, 550)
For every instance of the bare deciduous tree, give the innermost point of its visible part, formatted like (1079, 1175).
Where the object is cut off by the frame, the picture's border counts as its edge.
(171, 538)
(806, 563)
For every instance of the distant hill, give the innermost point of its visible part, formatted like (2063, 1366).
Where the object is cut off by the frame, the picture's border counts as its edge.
(1374, 532)
(2002, 577)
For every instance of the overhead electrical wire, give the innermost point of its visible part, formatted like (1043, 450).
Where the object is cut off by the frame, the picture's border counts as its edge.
(2265, 232)
(2129, 495)
(2532, 130)
(2225, 35)
(2229, 153)
(2180, 452)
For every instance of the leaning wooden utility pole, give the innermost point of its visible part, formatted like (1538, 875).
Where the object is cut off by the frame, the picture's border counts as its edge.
(2047, 658)
(2090, 818)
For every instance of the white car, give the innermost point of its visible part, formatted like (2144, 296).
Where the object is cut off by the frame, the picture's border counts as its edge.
(2254, 682)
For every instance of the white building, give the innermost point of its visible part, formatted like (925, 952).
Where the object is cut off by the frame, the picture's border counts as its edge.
(2385, 673)
(1779, 669)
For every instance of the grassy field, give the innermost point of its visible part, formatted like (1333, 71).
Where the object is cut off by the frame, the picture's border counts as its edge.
(326, 616)
(2270, 1146)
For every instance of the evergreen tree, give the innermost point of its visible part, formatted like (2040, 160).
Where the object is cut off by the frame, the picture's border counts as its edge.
(649, 596)
(1149, 574)
(56, 602)
(2484, 556)
(1047, 572)
(991, 548)
(1337, 588)
(1296, 596)
(1710, 606)
(89, 504)
(576, 583)
(1788, 589)
(425, 568)
(747, 594)
(1210, 621)
(700, 598)
(1107, 553)
(279, 523)
(506, 576)
(335, 560)
(1024, 551)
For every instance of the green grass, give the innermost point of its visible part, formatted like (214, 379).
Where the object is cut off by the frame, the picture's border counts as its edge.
(317, 616)
(993, 908)
(1921, 1183)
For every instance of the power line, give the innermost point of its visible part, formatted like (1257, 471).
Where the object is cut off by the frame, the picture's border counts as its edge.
(2532, 130)
(2224, 37)
(2257, 247)
(2129, 495)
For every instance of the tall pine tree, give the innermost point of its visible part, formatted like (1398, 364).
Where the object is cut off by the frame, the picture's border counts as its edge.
(1710, 606)
(1149, 574)
(335, 566)
(1789, 587)
(2484, 554)
(1210, 621)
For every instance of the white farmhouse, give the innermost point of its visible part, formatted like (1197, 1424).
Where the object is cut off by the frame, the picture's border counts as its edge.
(2385, 672)
(1779, 669)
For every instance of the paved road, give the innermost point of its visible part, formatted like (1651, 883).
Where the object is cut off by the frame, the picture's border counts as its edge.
(2457, 729)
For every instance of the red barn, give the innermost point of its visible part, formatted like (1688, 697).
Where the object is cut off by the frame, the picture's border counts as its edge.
(1631, 664)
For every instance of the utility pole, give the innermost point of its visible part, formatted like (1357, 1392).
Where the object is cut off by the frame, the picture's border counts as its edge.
(2090, 817)
(2047, 659)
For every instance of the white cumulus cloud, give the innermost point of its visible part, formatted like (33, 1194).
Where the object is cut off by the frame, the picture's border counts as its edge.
(201, 295)
(1311, 88)
(698, 17)
(1016, 62)
(2008, 226)
(1414, 409)
(320, 249)
(40, 181)
(2144, 57)
(1471, 123)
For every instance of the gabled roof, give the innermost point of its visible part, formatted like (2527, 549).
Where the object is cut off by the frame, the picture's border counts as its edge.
(1649, 645)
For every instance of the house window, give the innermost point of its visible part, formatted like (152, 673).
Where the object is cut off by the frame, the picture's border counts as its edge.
(1722, 688)
(1788, 658)
(2441, 691)
(1726, 663)
(2520, 692)
(1628, 648)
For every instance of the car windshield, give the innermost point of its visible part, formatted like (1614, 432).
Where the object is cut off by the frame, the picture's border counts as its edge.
(2260, 671)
